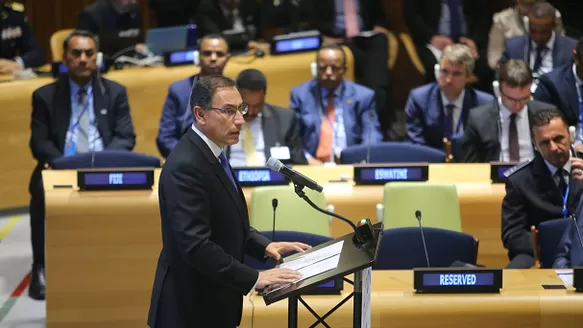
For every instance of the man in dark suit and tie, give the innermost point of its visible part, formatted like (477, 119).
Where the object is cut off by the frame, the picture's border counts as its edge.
(570, 250)
(563, 87)
(269, 130)
(176, 117)
(500, 131)
(440, 109)
(543, 49)
(544, 188)
(200, 279)
(79, 113)
(334, 113)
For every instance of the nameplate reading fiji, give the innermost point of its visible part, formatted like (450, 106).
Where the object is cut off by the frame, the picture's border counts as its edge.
(457, 280)
(115, 179)
(369, 174)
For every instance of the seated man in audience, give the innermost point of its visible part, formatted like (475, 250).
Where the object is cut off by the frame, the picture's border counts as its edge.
(117, 23)
(79, 113)
(509, 23)
(543, 49)
(500, 131)
(440, 109)
(570, 250)
(18, 48)
(563, 87)
(544, 188)
(214, 55)
(269, 130)
(334, 113)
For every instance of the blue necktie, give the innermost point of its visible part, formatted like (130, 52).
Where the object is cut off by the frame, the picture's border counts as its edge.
(225, 166)
(538, 61)
(455, 20)
(448, 121)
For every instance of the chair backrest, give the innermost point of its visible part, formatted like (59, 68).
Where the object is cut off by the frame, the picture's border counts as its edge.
(302, 237)
(106, 159)
(392, 152)
(402, 249)
(456, 147)
(438, 203)
(293, 213)
(549, 236)
(57, 44)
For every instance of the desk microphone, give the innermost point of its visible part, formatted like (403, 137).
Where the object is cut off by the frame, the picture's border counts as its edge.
(418, 216)
(574, 218)
(573, 139)
(93, 144)
(274, 204)
(296, 177)
(369, 142)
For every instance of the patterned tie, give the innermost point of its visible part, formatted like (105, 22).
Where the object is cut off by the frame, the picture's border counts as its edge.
(324, 150)
(539, 58)
(448, 121)
(350, 19)
(251, 155)
(455, 20)
(225, 166)
(513, 148)
(84, 123)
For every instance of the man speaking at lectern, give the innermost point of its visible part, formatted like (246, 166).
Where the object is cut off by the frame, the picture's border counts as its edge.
(200, 280)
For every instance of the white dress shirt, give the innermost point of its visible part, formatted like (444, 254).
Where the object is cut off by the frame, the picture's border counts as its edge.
(457, 111)
(217, 152)
(237, 153)
(524, 141)
(547, 63)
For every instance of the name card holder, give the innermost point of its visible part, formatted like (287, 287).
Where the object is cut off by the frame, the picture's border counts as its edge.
(115, 179)
(259, 176)
(457, 280)
(497, 170)
(371, 174)
(578, 279)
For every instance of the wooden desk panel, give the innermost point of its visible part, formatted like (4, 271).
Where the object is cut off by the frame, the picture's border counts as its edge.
(147, 89)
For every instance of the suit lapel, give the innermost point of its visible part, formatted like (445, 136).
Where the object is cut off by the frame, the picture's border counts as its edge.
(494, 127)
(558, 56)
(269, 130)
(62, 110)
(470, 102)
(435, 109)
(318, 105)
(101, 110)
(349, 113)
(571, 93)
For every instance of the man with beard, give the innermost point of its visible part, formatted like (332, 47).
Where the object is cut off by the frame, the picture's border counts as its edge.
(175, 120)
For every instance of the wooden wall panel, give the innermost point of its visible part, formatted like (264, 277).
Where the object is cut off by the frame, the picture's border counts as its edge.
(48, 16)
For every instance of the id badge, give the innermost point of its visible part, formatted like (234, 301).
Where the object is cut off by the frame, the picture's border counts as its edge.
(70, 145)
(281, 153)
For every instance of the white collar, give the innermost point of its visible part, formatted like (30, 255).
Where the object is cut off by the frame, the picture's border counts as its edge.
(212, 145)
(550, 44)
(458, 103)
(506, 112)
(553, 169)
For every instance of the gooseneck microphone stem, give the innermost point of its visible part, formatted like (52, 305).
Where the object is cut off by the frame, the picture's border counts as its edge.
(274, 204)
(418, 215)
(574, 218)
(300, 192)
(369, 141)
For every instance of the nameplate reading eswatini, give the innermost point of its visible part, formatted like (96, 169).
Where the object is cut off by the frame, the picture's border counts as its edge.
(457, 280)
(259, 176)
(104, 179)
(380, 174)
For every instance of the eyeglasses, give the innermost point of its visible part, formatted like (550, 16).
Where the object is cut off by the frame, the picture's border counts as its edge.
(232, 110)
(514, 100)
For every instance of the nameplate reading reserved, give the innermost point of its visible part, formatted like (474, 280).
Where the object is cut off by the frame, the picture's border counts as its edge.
(497, 170)
(368, 174)
(259, 176)
(457, 280)
(116, 179)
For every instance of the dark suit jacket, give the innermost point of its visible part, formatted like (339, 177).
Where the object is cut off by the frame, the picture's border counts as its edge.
(51, 112)
(322, 15)
(531, 197)
(424, 109)
(570, 252)
(482, 132)
(519, 48)
(280, 128)
(200, 280)
(174, 115)
(559, 88)
(21, 42)
(423, 18)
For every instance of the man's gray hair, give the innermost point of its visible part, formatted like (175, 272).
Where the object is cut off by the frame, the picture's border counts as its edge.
(459, 54)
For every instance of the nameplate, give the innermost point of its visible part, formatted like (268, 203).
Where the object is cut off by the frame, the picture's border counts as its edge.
(381, 174)
(259, 176)
(103, 179)
(497, 170)
(179, 57)
(578, 279)
(296, 42)
(457, 280)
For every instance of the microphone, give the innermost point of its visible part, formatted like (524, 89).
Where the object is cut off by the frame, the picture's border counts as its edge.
(418, 216)
(274, 204)
(297, 178)
(573, 139)
(369, 142)
(574, 218)
(93, 144)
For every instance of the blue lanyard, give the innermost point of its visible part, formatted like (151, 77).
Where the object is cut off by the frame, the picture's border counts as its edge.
(565, 197)
(459, 122)
(85, 108)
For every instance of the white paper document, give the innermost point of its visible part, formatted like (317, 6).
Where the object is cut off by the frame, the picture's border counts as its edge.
(566, 276)
(308, 259)
(314, 269)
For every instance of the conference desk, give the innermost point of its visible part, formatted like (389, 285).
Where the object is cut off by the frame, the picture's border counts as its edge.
(147, 89)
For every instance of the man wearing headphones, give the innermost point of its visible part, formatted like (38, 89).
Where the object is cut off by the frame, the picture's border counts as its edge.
(79, 113)
(214, 55)
(334, 113)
